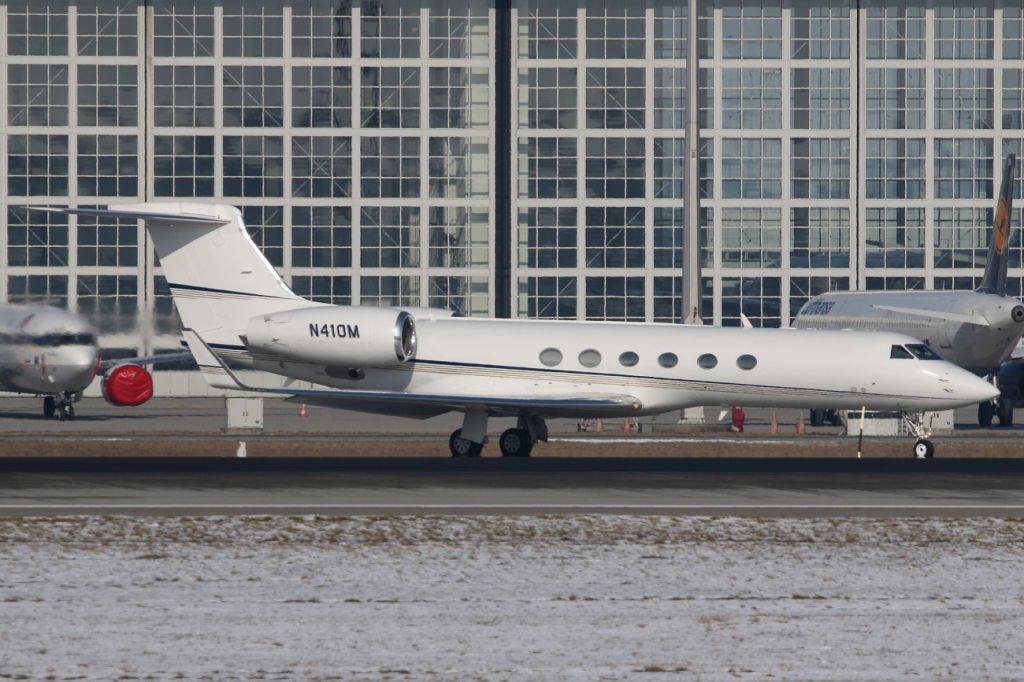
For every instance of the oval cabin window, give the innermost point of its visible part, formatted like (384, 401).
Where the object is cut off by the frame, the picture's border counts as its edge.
(668, 360)
(590, 358)
(746, 362)
(629, 359)
(551, 356)
(707, 361)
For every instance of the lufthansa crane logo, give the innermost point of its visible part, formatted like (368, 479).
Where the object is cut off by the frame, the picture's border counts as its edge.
(1002, 226)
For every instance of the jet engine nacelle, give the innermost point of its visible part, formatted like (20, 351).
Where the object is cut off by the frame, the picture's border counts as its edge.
(1010, 381)
(127, 385)
(351, 336)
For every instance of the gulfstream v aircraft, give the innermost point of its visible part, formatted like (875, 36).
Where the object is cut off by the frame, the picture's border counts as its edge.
(424, 362)
(53, 353)
(976, 330)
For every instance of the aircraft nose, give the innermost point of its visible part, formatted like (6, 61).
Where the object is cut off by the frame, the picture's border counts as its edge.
(77, 368)
(973, 388)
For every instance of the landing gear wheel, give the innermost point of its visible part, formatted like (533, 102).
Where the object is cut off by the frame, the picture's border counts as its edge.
(462, 447)
(515, 443)
(817, 417)
(49, 407)
(1005, 413)
(986, 411)
(923, 449)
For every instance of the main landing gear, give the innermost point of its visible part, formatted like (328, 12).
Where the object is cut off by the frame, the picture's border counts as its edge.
(515, 442)
(923, 447)
(61, 406)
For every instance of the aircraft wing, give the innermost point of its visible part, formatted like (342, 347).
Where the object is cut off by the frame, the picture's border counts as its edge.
(144, 360)
(937, 314)
(219, 375)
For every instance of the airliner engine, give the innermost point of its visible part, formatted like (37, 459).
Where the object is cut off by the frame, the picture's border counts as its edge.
(352, 336)
(1010, 381)
(127, 385)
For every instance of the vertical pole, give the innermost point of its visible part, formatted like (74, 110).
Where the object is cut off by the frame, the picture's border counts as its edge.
(860, 438)
(691, 230)
(503, 158)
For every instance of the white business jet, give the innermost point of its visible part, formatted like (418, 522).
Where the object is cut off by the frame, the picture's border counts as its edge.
(424, 362)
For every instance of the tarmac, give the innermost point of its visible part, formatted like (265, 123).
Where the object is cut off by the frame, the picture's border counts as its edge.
(172, 457)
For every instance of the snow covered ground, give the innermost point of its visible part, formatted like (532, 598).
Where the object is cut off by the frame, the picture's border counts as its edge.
(511, 598)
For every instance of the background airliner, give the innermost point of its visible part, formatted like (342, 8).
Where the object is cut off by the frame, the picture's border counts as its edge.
(419, 363)
(976, 330)
(53, 353)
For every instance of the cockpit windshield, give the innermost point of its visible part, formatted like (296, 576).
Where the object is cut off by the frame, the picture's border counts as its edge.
(923, 352)
(900, 353)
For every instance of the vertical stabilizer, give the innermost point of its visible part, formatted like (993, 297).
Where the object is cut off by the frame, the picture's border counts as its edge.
(219, 278)
(994, 281)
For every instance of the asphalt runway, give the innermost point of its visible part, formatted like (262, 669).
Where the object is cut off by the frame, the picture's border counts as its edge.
(609, 485)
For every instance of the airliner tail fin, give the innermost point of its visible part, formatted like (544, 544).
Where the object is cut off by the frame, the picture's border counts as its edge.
(994, 281)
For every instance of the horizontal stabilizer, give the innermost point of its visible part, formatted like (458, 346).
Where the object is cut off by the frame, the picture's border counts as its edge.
(133, 214)
(937, 314)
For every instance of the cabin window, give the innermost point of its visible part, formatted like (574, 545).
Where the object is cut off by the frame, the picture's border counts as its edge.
(746, 361)
(551, 357)
(668, 360)
(900, 353)
(590, 358)
(923, 352)
(707, 361)
(629, 359)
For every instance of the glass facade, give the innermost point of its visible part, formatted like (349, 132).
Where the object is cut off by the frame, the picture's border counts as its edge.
(834, 145)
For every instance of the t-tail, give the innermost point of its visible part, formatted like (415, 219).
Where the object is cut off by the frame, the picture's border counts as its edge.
(994, 281)
(218, 276)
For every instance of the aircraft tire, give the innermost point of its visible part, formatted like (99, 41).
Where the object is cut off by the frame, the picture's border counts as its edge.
(817, 417)
(1005, 413)
(924, 449)
(462, 447)
(515, 443)
(49, 406)
(986, 411)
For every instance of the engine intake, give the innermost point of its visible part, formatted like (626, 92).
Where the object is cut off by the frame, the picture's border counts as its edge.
(350, 336)
(127, 385)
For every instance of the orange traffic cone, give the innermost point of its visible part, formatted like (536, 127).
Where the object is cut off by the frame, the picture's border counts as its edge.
(775, 424)
(800, 428)
(600, 426)
(302, 411)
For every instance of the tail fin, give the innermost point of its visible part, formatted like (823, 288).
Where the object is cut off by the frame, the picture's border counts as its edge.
(994, 281)
(219, 278)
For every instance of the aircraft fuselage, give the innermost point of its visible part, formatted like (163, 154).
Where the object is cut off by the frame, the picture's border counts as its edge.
(974, 330)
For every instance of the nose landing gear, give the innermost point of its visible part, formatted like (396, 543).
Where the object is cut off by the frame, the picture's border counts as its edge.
(61, 406)
(923, 447)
